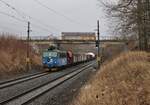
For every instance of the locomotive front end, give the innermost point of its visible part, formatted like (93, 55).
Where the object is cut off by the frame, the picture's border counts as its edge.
(50, 59)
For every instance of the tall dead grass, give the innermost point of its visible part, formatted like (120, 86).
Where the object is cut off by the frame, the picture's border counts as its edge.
(13, 55)
(110, 51)
(123, 81)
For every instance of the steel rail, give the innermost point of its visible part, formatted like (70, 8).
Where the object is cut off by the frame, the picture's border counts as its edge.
(12, 82)
(54, 84)
(26, 76)
(23, 95)
(22, 79)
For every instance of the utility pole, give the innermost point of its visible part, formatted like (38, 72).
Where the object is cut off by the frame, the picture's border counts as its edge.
(143, 24)
(140, 24)
(147, 23)
(148, 36)
(28, 47)
(98, 45)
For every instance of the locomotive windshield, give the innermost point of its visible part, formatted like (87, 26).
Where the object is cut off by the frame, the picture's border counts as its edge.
(49, 54)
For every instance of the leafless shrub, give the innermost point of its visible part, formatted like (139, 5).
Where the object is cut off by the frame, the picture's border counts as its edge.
(13, 55)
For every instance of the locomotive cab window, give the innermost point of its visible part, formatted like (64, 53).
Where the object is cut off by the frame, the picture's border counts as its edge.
(53, 54)
(50, 54)
(45, 54)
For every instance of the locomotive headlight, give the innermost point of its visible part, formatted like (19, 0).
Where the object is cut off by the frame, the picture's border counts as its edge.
(51, 60)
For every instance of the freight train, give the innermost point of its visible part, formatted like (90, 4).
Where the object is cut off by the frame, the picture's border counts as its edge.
(57, 58)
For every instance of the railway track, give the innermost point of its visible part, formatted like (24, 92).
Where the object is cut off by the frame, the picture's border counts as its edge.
(21, 79)
(12, 82)
(32, 94)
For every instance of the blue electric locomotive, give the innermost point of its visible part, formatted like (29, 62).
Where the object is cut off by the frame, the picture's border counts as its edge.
(54, 58)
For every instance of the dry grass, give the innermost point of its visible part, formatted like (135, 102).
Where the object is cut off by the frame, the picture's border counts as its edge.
(123, 81)
(112, 50)
(13, 56)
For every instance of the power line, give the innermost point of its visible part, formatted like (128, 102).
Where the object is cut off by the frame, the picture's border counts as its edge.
(13, 8)
(12, 16)
(20, 13)
(18, 19)
(46, 25)
(56, 12)
(41, 28)
(12, 24)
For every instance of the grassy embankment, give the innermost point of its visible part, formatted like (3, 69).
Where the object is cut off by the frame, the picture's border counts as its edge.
(123, 81)
(13, 56)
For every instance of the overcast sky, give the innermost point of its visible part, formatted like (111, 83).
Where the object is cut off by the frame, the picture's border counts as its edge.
(64, 16)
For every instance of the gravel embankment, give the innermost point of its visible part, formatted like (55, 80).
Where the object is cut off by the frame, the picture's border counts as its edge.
(64, 94)
(15, 90)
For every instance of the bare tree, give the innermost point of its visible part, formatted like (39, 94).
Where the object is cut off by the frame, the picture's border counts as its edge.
(133, 19)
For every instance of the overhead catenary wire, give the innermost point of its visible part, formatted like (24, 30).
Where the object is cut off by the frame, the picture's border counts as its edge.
(58, 13)
(12, 16)
(18, 19)
(24, 15)
(20, 12)
(13, 8)
(46, 25)
(35, 25)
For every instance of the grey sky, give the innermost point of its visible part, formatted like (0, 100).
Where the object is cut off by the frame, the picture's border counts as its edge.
(83, 14)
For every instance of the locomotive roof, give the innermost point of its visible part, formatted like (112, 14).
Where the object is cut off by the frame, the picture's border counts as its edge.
(54, 51)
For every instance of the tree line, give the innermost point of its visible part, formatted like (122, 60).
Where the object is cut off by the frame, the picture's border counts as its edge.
(133, 19)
